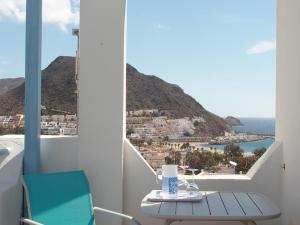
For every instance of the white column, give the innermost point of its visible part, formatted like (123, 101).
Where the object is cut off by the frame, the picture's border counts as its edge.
(288, 104)
(102, 101)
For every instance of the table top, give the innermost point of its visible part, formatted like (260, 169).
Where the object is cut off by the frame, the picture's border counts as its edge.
(229, 206)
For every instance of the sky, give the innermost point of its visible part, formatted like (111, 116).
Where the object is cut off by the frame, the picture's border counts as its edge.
(59, 17)
(222, 53)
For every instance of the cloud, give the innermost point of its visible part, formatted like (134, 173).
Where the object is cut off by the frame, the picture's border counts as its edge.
(59, 12)
(160, 26)
(261, 47)
(13, 9)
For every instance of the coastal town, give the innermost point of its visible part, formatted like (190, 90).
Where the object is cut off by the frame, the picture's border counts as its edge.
(158, 137)
(50, 124)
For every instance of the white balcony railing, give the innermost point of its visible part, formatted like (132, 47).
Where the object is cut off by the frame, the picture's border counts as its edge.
(61, 153)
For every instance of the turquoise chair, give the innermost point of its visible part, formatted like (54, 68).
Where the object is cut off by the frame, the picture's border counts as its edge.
(61, 199)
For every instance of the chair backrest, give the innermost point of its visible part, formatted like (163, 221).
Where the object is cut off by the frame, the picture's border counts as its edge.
(59, 198)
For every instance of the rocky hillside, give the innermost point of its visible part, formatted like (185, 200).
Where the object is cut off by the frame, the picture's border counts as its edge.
(10, 83)
(58, 90)
(151, 92)
(232, 121)
(143, 92)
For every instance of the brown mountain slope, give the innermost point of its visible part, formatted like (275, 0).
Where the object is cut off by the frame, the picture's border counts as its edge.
(58, 89)
(151, 92)
(9, 84)
(143, 92)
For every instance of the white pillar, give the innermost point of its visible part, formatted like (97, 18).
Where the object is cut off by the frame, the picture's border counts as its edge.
(102, 101)
(288, 104)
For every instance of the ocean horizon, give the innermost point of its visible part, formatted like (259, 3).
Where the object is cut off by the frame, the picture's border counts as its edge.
(262, 126)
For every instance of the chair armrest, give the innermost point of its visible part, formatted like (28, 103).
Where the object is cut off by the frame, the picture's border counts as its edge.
(29, 221)
(130, 218)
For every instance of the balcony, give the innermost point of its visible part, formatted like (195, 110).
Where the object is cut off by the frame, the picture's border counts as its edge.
(118, 174)
(61, 154)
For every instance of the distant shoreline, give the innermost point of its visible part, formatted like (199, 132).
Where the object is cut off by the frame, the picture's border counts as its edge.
(251, 133)
(247, 146)
(245, 141)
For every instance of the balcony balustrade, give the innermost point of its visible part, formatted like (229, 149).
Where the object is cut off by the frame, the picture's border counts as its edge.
(61, 154)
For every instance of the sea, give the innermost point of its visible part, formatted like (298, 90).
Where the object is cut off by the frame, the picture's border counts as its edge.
(264, 126)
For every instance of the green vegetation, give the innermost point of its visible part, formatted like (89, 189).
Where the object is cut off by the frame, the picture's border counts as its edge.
(187, 134)
(233, 152)
(137, 142)
(185, 146)
(245, 163)
(173, 158)
(129, 131)
(149, 142)
(196, 123)
(211, 160)
(166, 138)
(259, 152)
(203, 160)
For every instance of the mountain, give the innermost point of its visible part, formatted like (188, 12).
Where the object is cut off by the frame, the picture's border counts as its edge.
(232, 121)
(143, 92)
(9, 84)
(151, 92)
(58, 90)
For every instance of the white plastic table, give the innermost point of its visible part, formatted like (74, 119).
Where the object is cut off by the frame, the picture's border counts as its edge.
(246, 207)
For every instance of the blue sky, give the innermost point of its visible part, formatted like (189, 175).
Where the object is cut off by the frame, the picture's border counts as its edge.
(59, 17)
(205, 46)
(220, 52)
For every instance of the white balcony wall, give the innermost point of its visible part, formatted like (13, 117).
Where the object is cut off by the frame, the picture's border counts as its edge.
(264, 177)
(10, 205)
(59, 153)
(10, 185)
(11, 165)
(288, 104)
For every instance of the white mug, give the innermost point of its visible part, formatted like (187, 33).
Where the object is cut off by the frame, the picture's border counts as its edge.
(169, 179)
